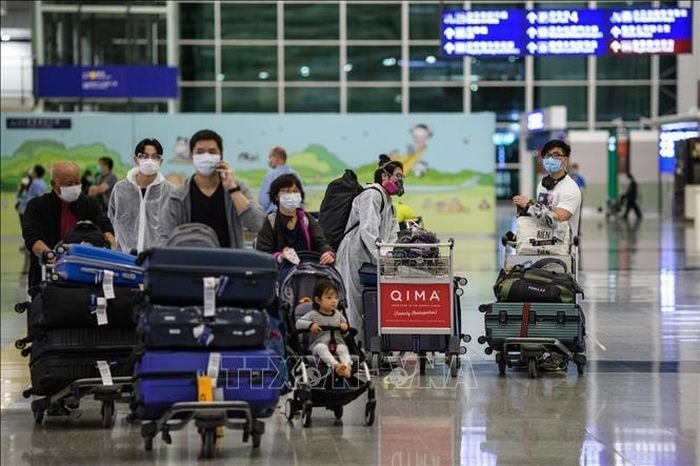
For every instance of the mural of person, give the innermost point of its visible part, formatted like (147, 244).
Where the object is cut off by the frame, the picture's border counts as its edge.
(420, 134)
(181, 152)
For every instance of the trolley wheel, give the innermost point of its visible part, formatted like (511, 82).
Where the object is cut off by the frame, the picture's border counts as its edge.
(459, 291)
(466, 338)
(208, 439)
(454, 365)
(338, 412)
(289, 409)
(54, 277)
(481, 340)
(148, 442)
(21, 307)
(579, 368)
(166, 437)
(488, 350)
(462, 281)
(107, 414)
(532, 368)
(257, 437)
(306, 414)
(38, 415)
(20, 344)
(501, 360)
(369, 414)
(60, 250)
(26, 352)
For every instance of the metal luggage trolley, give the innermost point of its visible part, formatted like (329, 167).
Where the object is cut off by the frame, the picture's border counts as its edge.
(418, 302)
(529, 351)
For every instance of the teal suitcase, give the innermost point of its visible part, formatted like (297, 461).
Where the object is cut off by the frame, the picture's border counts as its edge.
(565, 322)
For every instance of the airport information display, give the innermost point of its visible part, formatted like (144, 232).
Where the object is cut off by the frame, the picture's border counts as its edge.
(566, 32)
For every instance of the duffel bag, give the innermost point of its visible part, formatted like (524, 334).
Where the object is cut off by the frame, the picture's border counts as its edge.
(536, 284)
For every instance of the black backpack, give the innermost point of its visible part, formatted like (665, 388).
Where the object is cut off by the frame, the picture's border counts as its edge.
(86, 232)
(336, 207)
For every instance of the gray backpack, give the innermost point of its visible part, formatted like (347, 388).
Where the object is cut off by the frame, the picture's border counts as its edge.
(197, 235)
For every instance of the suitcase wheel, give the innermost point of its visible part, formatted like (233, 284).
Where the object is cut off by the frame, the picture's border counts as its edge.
(21, 307)
(481, 339)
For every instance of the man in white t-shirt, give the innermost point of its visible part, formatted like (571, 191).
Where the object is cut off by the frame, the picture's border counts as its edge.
(558, 195)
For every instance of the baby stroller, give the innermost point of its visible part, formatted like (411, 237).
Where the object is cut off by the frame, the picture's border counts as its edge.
(613, 207)
(314, 384)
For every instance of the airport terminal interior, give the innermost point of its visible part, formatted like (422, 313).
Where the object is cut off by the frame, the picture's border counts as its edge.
(337, 82)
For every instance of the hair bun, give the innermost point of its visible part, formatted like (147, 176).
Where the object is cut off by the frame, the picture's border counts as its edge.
(383, 159)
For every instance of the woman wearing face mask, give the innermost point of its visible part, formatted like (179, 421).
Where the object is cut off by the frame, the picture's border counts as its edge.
(290, 229)
(372, 217)
(136, 200)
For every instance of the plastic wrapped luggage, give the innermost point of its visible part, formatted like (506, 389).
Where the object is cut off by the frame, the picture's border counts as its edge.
(533, 238)
(163, 378)
(63, 356)
(97, 266)
(225, 277)
(188, 327)
(565, 322)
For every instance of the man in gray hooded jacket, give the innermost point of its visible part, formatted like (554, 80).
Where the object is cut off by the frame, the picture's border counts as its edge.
(211, 196)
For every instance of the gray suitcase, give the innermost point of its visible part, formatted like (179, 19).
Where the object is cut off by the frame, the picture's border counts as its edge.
(565, 322)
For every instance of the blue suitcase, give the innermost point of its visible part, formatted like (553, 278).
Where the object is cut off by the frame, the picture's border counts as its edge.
(88, 264)
(163, 378)
(175, 276)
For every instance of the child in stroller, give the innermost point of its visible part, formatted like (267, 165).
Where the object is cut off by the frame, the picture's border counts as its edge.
(321, 383)
(326, 314)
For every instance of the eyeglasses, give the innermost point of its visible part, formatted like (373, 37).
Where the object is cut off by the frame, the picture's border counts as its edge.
(556, 155)
(156, 157)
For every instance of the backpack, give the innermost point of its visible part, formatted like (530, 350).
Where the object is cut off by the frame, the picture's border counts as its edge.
(417, 235)
(86, 232)
(536, 284)
(336, 207)
(197, 235)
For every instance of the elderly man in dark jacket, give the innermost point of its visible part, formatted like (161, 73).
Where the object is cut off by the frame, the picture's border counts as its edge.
(49, 218)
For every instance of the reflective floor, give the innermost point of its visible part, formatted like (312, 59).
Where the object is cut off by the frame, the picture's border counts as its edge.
(637, 404)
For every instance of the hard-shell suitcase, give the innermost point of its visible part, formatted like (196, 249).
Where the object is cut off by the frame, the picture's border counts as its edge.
(565, 322)
(97, 266)
(188, 327)
(63, 356)
(94, 252)
(74, 305)
(163, 378)
(227, 277)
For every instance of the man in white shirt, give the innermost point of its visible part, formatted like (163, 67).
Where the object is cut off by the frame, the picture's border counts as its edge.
(558, 195)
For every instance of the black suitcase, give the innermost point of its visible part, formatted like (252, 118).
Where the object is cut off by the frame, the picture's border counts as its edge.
(63, 356)
(186, 327)
(175, 276)
(70, 305)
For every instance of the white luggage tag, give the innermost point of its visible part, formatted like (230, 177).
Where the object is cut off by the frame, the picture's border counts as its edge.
(108, 284)
(203, 334)
(101, 311)
(105, 373)
(210, 285)
(213, 367)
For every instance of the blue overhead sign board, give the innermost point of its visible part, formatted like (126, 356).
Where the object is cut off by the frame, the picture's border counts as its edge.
(566, 32)
(107, 82)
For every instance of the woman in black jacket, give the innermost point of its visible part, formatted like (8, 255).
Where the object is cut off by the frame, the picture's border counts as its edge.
(290, 228)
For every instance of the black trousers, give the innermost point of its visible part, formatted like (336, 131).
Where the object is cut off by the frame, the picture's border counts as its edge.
(632, 204)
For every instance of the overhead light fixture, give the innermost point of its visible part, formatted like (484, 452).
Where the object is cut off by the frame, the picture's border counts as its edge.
(5, 37)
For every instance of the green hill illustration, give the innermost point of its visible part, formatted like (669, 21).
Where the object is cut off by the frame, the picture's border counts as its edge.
(46, 152)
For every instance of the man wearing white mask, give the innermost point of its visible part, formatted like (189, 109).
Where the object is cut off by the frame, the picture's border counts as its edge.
(558, 195)
(212, 196)
(49, 218)
(136, 201)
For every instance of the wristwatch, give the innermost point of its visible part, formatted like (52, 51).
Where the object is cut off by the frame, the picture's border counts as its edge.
(234, 190)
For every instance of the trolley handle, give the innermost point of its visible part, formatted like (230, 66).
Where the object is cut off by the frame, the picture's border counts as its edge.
(449, 243)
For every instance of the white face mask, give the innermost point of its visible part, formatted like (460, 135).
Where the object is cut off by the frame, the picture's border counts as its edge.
(290, 201)
(70, 193)
(205, 164)
(149, 167)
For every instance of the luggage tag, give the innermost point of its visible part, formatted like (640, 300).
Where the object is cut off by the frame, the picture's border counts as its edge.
(108, 284)
(99, 306)
(223, 281)
(203, 334)
(105, 373)
(213, 366)
(205, 390)
(210, 285)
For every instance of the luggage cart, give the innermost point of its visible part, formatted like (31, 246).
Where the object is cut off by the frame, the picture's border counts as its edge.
(418, 303)
(208, 416)
(119, 390)
(529, 352)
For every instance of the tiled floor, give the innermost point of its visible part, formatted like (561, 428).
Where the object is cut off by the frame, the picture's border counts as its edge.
(637, 404)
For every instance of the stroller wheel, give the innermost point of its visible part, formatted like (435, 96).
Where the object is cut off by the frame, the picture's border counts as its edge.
(306, 414)
(369, 414)
(289, 409)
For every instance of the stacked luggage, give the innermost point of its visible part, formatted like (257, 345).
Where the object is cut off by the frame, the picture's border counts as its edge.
(204, 331)
(81, 333)
(536, 321)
